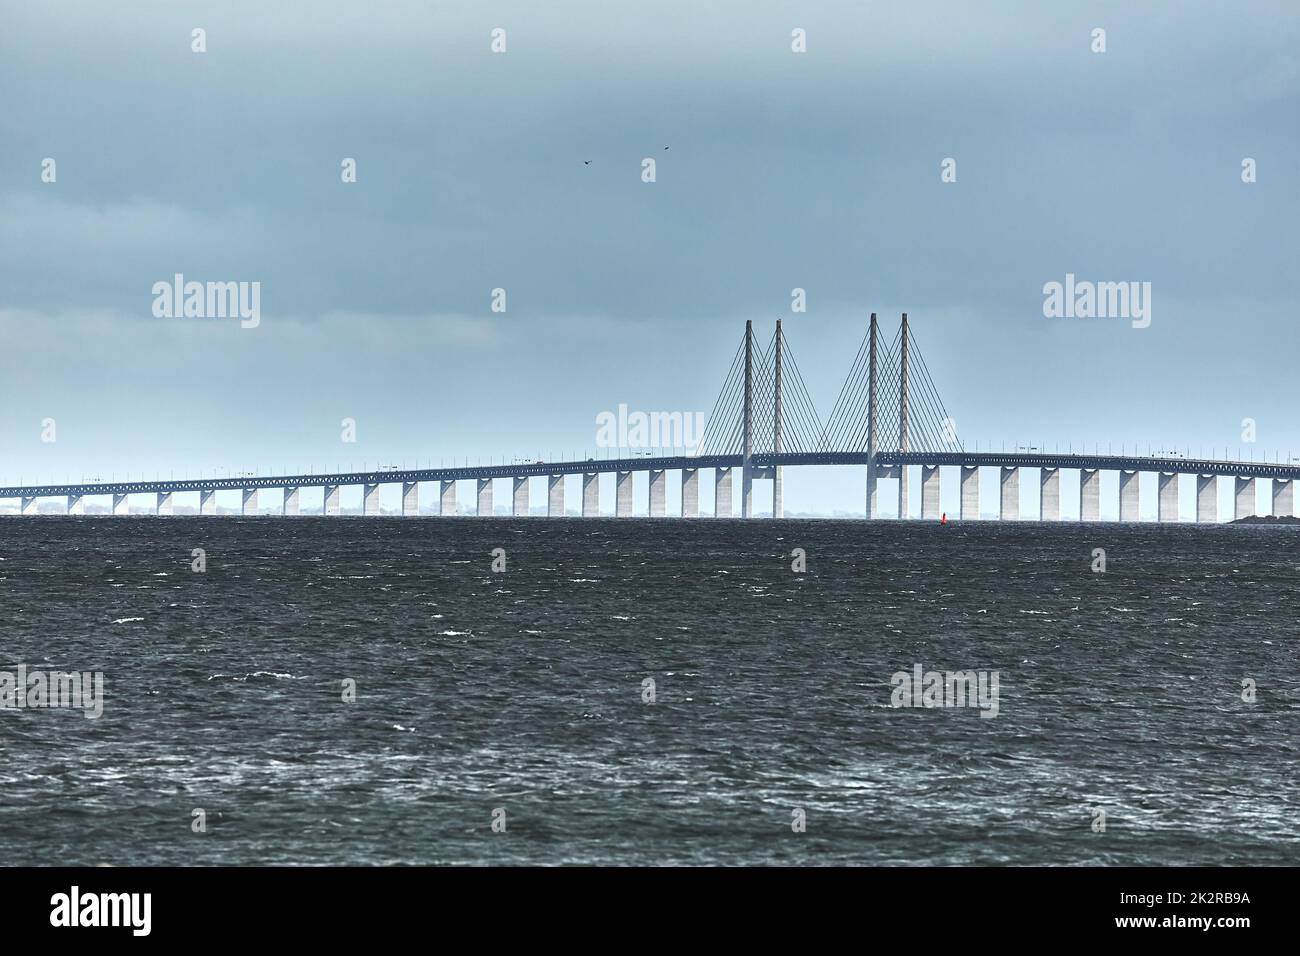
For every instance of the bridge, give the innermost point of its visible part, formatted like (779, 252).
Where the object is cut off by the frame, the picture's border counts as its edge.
(888, 418)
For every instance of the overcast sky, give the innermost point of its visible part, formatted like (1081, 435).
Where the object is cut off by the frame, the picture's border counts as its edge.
(818, 170)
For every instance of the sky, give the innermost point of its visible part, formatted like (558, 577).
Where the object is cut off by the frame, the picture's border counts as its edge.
(817, 170)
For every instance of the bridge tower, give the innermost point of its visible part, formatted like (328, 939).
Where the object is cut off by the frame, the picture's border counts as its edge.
(747, 448)
(778, 506)
(902, 420)
(871, 421)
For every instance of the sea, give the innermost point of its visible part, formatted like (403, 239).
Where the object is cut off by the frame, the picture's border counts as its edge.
(373, 691)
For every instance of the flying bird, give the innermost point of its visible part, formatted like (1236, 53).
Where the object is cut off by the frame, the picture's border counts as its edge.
(586, 162)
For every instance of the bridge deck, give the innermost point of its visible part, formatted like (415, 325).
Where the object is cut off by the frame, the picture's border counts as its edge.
(1176, 465)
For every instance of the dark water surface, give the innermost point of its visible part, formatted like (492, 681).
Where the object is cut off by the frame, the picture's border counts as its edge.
(523, 691)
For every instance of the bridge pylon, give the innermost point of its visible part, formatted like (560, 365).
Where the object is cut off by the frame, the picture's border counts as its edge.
(747, 453)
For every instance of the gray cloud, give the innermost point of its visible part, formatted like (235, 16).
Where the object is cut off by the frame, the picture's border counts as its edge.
(819, 171)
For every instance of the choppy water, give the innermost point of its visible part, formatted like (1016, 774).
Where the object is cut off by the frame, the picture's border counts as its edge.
(523, 691)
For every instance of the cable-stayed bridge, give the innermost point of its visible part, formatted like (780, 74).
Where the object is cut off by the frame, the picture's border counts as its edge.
(888, 417)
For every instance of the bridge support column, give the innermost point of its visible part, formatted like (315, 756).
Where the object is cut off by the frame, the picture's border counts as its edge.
(902, 492)
(778, 493)
(1166, 497)
(882, 471)
(1009, 494)
(1243, 497)
(1049, 494)
(291, 506)
(370, 499)
(658, 496)
(690, 492)
(1283, 500)
(746, 491)
(872, 509)
(1128, 496)
(555, 496)
(623, 494)
(1207, 499)
(722, 493)
(331, 504)
(1089, 494)
(207, 502)
(410, 499)
(76, 505)
(447, 499)
(249, 506)
(121, 506)
(591, 495)
(28, 506)
(164, 504)
(970, 493)
(519, 502)
(485, 497)
(929, 491)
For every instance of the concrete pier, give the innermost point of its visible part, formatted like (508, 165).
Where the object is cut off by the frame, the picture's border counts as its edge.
(121, 506)
(1089, 494)
(447, 499)
(1283, 500)
(1166, 497)
(28, 506)
(291, 505)
(76, 505)
(970, 493)
(722, 493)
(1243, 497)
(1049, 494)
(331, 505)
(164, 504)
(519, 498)
(930, 491)
(746, 491)
(207, 502)
(1009, 494)
(873, 501)
(555, 496)
(249, 506)
(484, 504)
(591, 495)
(903, 506)
(690, 492)
(1128, 496)
(1207, 499)
(370, 499)
(410, 498)
(623, 494)
(658, 503)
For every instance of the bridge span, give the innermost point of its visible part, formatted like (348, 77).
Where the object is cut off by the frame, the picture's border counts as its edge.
(888, 419)
(964, 466)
